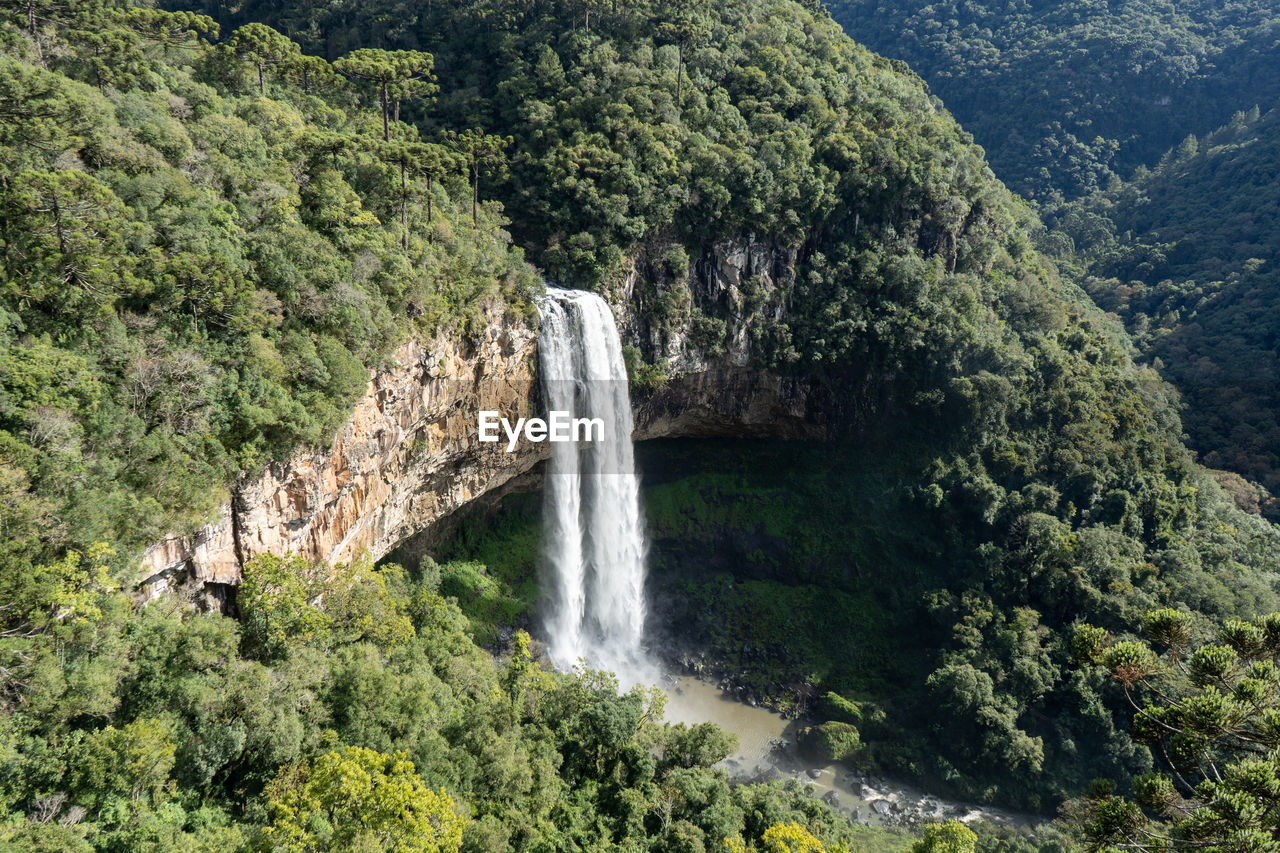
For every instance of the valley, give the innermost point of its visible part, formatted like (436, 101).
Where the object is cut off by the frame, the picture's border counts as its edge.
(931, 503)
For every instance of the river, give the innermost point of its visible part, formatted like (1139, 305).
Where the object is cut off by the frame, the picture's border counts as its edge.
(767, 750)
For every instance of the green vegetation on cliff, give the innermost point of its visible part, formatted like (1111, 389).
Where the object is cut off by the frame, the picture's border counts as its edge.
(199, 271)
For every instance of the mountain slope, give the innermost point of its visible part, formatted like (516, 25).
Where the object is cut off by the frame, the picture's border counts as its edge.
(1066, 95)
(1187, 255)
(197, 280)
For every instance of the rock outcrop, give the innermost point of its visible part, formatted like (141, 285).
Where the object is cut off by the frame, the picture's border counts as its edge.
(409, 455)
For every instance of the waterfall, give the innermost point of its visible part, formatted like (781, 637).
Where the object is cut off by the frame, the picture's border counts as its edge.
(594, 551)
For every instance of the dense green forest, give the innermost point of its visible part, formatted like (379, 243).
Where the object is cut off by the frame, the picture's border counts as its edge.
(1187, 254)
(918, 291)
(205, 250)
(1127, 107)
(1066, 96)
(198, 277)
(210, 236)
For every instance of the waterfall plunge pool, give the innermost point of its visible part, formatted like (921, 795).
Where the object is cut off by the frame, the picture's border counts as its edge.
(767, 750)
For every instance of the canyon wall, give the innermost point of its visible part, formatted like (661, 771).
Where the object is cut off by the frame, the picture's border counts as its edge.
(409, 455)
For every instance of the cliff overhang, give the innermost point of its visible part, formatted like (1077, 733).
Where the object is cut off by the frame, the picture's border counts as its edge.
(409, 456)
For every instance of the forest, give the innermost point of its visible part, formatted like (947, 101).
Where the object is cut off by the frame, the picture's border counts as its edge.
(1145, 134)
(1066, 97)
(218, 220)
(1186, 253)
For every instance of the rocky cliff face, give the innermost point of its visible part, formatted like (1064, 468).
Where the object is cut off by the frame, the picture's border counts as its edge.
(409, 455)
(698, 314)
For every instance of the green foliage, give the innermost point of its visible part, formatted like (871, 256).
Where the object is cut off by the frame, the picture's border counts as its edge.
(1210, 709)
(644, 378)
(701, 745)
(1186, 254)
(487, 597)
(397, 75)
(945, 639)
(837, 741)
(275, 600)
(359, 799)
(284, 602)
(950, 837)
(1084, 91)
(346, 741)
(263, 48)
(197, 274)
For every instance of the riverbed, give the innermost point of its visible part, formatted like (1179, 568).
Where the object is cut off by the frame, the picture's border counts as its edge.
(767, 750)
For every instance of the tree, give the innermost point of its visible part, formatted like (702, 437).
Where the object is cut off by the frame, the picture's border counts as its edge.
(686, 25)
(263, 48)
(590, 7)
(276, 605)
(61, 14)
(1212, 711)
(361, 606)
(789, 838)
(63, 227)
(701, 745)
(417, 158)
(114, 56)
(397, 75)
(67, 591)
(168, 29)
(478, 148)
(950, 837)
(313, 74)
(358, 799)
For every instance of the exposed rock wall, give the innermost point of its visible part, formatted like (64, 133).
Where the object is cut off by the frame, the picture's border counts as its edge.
(409, 455)
(742, 283)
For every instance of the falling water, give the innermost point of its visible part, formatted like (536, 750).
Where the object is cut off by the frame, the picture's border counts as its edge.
(595, 549)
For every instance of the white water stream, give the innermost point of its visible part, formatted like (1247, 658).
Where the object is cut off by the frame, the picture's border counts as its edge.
(594, 549)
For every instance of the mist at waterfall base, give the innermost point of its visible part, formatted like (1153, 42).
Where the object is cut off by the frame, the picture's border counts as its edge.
(594, 545)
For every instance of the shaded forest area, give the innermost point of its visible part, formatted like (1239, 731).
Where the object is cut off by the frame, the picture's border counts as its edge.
(1145, 133)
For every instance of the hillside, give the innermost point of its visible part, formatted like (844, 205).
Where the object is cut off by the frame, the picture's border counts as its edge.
(1022, 427)
(1064, 96)
(1186, 253)
(211, 238)
(198, 278)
